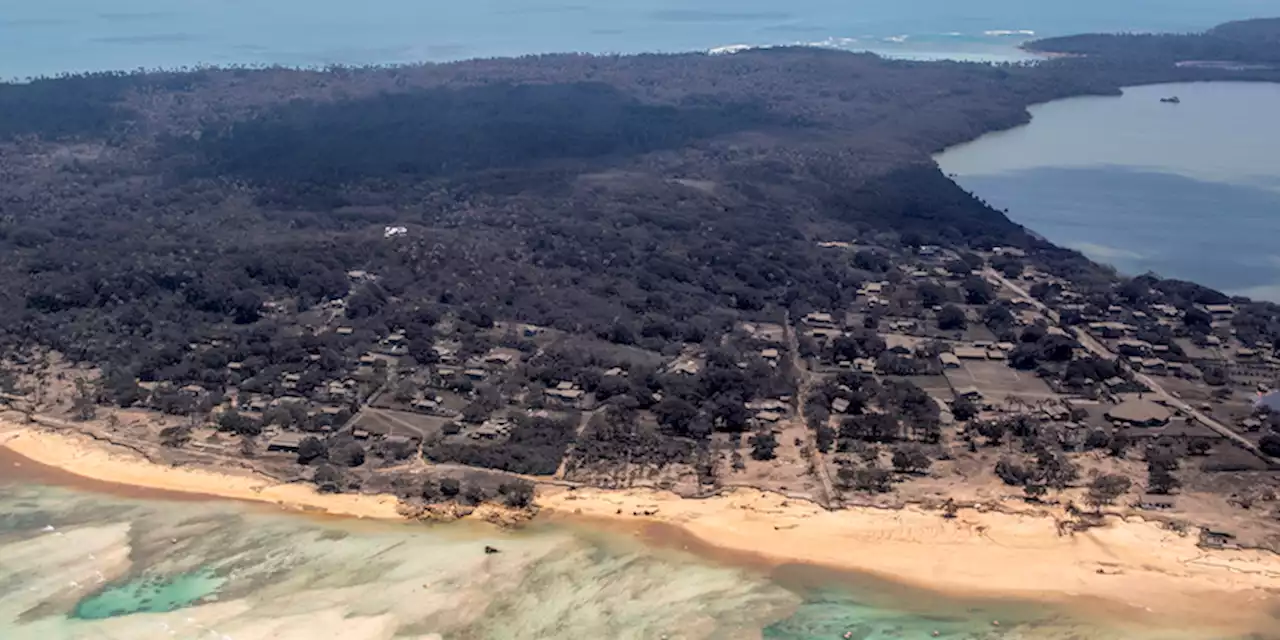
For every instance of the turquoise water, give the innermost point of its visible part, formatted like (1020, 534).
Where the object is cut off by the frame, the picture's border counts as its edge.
(77, 565)
(153, 594)
(54, 36)
(1189, 191)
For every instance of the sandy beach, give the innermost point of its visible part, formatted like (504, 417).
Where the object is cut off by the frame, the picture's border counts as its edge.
(91, 459)
(1129, 567)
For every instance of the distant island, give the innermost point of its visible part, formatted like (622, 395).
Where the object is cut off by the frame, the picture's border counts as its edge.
(480, 282)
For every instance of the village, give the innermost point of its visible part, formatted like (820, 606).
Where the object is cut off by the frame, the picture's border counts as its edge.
(918, 390)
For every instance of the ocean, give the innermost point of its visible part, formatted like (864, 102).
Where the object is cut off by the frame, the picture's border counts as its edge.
(1188, 191)
(57, 36)
(78, 564)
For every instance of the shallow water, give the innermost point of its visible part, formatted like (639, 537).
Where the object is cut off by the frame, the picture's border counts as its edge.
(75, 564)
(1189, 191)
(54, 36)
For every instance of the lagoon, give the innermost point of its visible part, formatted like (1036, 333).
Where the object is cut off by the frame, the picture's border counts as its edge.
(80, 564)
(1188, 191)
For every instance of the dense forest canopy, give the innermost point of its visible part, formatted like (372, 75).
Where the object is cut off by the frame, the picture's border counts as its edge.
(649, 200)
(1247, 41)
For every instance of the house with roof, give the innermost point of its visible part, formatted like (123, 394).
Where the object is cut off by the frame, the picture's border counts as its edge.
(964, 352)
(286, 442)
(1139, 412)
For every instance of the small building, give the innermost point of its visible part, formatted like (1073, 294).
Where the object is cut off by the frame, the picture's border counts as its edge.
(1220, 310)
(820, 319)
(1139, 412)
(566, 393)
(193, 390)
(840, 405)
(501, 356)
(1216, 539)
(1111, 329)
(768, 417)
(949, 360)
(344, 331)
(491, 429)
(476, 374)
(1156, 502)
(970, 353)
(1133, 347)
(1154, 364)
(286, 442)
(769, 354)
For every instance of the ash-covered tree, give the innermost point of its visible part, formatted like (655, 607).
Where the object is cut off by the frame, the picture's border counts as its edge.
(911, 459)
(84, 404)
(347, 453)
(978, 291)
(516, 493)
(450, 487)
(763, 445)
(238, 423)
(1106, 489)
(963, 409)
(951, 318)
(1270, 445)
(311, 449)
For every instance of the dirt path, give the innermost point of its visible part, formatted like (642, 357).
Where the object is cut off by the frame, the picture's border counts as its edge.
(804, 382)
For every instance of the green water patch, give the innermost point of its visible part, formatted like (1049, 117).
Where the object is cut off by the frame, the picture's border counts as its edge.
(149, 594)
(838, 616)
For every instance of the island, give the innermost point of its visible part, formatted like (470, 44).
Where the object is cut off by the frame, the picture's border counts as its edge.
(672, 288)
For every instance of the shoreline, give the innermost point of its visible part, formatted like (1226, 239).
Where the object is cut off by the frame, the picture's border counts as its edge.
(1128, 569)
(93, 460)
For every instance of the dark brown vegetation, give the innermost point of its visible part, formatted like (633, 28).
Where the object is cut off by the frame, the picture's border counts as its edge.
(180, 229)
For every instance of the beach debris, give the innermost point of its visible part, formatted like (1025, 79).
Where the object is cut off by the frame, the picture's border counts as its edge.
(995, 623)
(488, 550)
(47, 528)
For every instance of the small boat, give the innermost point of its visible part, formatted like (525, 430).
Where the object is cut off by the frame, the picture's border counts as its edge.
(1171, 100)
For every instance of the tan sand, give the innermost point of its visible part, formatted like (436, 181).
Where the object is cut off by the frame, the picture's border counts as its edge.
(92, 459)
(1151, 572)
(1146, 569)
